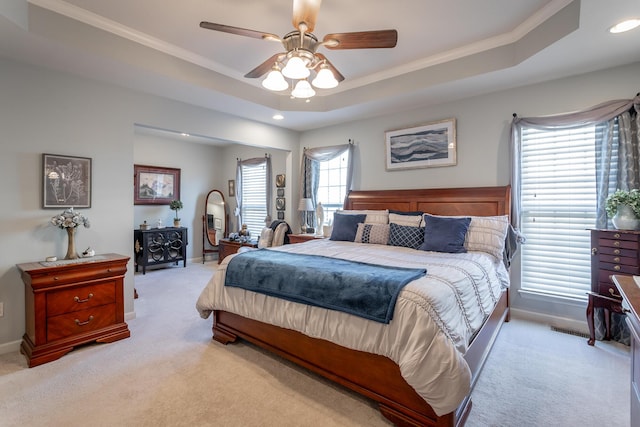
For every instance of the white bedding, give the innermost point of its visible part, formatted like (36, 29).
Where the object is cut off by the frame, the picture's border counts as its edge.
(435, 316)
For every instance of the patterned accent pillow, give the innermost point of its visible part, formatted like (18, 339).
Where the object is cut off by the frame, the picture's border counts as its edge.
(405, 235)
(377, 234)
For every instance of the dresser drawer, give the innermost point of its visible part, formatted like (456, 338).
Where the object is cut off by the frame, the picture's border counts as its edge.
(608, 289)
(80, 298)
(618, 243)
(82, 273)
(80, 322)
(618, 268)
(618, 259)
(615, 251)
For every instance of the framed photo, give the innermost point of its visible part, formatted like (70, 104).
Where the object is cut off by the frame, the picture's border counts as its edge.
(280, 203)
(280, 215)
(280, 192)
(218, 223)
(155, 185)
(430, 145)
(280, 181)
(232, 188)
(66, 181)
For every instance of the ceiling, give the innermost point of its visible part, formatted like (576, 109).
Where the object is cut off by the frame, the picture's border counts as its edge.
(446, 50)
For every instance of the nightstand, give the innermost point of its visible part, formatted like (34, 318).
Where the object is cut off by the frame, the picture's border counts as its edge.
(300, 238)
(227, 247)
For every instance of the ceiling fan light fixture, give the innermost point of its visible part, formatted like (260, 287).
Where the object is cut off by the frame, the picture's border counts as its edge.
(275, 81)
(296, 68)
(325, 78)
(303, 90)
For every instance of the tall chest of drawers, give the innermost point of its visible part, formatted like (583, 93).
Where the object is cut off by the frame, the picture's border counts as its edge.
(612, 252)
(68, 304)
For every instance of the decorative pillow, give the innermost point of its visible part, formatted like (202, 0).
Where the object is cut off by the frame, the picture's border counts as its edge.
(279, 234)
(409, 220)
(445, 234)
(266, 238)
(345, 226)
(487, 234)
(372, 233)
(404, 235)
(373, 216)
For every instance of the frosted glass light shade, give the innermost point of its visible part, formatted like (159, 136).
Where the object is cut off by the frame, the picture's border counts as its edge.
(325, 79)
(296, 69)
(303, 90)
(275, 81)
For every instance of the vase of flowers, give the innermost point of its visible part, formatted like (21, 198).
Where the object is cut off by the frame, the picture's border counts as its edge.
(176, 205)
(623, 207)
(69, 220)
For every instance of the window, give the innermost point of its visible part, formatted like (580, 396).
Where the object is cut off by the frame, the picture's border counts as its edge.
(254, 199)
(332, 186)
(559, 205)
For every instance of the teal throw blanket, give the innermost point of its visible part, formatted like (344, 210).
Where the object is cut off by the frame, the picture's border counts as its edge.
(365, 290)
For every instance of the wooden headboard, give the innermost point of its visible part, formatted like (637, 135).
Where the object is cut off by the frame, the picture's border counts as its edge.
(478, 201)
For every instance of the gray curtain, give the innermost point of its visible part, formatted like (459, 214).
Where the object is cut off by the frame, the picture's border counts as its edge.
(266, 160)
(620, 115)
(310, 176)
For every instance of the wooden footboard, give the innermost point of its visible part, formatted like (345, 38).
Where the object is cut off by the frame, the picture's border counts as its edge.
(373, 376)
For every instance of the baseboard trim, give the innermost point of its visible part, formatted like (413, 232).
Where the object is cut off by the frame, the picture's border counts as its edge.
(555, 321)
(10, 347)
(130, 315)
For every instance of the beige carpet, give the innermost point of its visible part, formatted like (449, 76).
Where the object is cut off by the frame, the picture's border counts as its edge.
(170, 373)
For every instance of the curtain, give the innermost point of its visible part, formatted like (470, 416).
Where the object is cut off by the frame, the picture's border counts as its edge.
(608, 115)
(266, 160)
(310, 176)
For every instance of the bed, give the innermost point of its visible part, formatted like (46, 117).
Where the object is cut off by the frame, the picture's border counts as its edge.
(381, 374)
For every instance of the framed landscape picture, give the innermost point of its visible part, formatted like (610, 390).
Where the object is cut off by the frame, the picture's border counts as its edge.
(429, 145)
(66, 181)
(155, 185)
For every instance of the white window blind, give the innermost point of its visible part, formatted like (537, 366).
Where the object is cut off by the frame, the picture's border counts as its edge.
(332, 186)
(558, 183)
(254, 198)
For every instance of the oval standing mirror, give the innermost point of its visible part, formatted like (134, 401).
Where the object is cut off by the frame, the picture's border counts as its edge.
(214, 222)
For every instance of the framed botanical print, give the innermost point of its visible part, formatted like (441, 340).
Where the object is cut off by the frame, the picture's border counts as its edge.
(66, 181)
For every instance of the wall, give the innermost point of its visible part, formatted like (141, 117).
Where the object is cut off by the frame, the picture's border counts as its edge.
(43, 111)
(483, 129)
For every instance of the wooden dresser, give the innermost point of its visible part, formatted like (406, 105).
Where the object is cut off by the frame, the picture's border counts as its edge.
(72, 303)
(612, 252)
(227, 247)
(630, 291)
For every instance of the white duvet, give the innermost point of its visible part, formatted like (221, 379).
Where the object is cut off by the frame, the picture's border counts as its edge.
(435, 316)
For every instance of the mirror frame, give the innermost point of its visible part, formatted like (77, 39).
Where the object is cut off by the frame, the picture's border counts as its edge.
(205, 227)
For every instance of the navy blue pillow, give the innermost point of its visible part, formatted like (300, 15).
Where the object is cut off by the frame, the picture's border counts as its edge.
(346, 226)
(407, 213)
(445, 234)
(407, 236)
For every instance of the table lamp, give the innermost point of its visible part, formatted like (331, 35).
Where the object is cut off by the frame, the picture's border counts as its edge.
(305, 206)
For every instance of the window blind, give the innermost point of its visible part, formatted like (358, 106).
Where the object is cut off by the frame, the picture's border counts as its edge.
(254, 198)
(559, 205)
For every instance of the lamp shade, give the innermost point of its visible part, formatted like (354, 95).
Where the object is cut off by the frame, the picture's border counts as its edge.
(275, 81)
(296, 69)
(305, 205)
(303, 90)
(325, 79)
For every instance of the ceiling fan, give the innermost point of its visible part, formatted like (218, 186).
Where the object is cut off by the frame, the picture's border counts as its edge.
(300, 58)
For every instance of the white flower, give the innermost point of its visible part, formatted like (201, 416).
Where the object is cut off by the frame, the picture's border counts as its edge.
(70, 219)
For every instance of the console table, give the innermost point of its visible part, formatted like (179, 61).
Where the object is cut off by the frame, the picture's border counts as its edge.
(160, 246)
(72, 302)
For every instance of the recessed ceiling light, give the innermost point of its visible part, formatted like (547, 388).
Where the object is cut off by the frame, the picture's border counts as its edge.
(278, 117)
(184, 134)
(623, 26)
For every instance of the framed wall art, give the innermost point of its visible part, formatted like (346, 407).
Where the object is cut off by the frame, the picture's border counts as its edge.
(155, 185)
(232, 188)
(280, 203)
(66, 181)
(280, 180)
(280, 215)
(429, 145)
(280, 192)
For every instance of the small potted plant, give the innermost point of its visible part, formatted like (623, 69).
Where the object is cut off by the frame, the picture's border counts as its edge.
(176, 205)
(623, 207)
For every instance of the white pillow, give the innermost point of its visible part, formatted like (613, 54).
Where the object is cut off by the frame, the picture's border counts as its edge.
(266, 238)
(373, 216)
(278, 235)
(407, 220)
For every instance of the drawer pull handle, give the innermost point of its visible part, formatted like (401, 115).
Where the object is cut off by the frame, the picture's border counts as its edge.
(617, 235)
(616, 267)
(56, 278)
(616, 259)
(108, 270)
(613, 293)
(79, 323)
(616, 251)
(78, 300)
(616, 243)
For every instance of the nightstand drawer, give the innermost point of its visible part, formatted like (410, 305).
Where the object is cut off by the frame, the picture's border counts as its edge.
(608, 289)
(618, 268)
(618, 243)
(80, 322)
(80, 298)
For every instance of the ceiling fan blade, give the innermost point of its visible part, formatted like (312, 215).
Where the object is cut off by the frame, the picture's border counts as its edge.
(305, 12)
(239, 31)
(263, 68)
(361, 40)
(339, 77)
